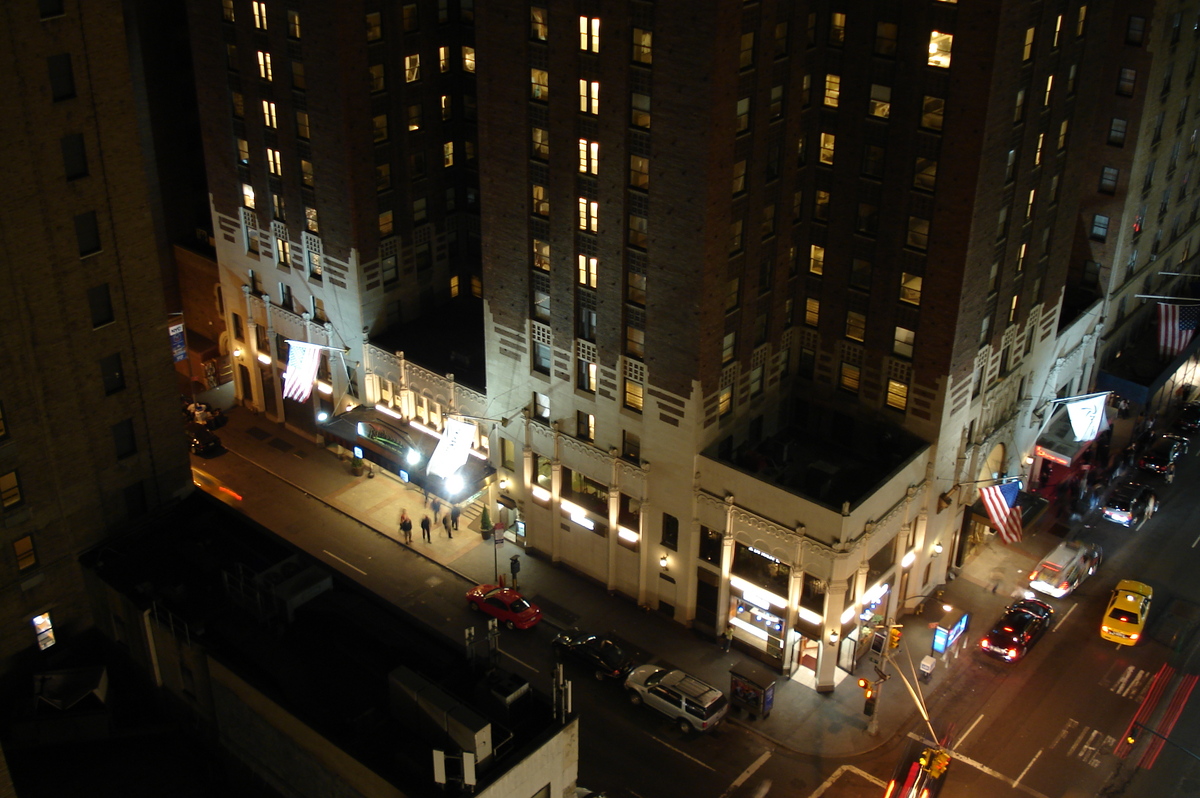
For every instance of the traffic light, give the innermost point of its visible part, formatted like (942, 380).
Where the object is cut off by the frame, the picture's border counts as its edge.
(869, 706)
(894, 637)
(941, 761)
(867, 686)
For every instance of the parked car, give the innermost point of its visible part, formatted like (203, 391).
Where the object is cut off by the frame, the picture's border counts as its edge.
(1162, 453)
(1125, 618)
(504, 603)
(200, 440)
(1022, 625)
(920, 773)
(691, 703)
(1189, 418)
(599, 651)
(1130, 504)
(1065, 567)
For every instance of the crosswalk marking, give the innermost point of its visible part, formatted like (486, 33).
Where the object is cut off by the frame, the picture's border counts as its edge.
(1087, 743)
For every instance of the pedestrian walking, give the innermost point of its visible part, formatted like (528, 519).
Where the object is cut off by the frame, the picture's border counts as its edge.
(446, 525)
(406, 526)
(1170, 473)
(727, 637)
(437, 508)
(425, 527)
(455, 512)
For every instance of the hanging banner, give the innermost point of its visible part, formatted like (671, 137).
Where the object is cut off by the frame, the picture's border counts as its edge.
(453, 449)
(178, 342)
(1086, 416)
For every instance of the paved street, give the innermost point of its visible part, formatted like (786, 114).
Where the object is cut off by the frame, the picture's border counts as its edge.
(1039, 727)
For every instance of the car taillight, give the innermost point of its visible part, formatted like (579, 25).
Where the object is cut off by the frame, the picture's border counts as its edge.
(891, 788)
(1033, 575)
(925, 793)
(1012, 653)
(1064, 586)
(983, 643)
(1133, 636)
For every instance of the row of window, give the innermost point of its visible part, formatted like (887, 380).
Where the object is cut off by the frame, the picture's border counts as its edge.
(589, 35)
(409, 16)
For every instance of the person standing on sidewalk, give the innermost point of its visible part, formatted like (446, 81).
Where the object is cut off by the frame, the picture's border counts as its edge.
(727, 637)
(446, 525)
(406, 527)
(437, 508)
(425, 527)
(455, 512)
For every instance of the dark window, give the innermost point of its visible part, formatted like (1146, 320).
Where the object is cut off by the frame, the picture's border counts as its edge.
(100, 302)
(239, 333)
(74, 155)
(670, 532)
(124, 441)
(62, 78)
(710, 545)
(50, 8)
(87, 233)
(112, 374)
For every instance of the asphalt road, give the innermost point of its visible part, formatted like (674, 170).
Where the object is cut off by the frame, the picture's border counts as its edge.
(1044, 727)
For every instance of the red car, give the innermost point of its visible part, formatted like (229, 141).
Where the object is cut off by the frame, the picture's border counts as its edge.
(504, 603)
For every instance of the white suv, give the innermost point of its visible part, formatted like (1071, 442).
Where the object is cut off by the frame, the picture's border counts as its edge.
(693, 704)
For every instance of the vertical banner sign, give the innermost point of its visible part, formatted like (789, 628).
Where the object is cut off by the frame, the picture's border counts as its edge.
(453, 449)
(178, 342)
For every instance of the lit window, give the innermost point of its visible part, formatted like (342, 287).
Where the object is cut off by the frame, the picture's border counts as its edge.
(725, 402)
(585, 426)
(856, 325)
(849, 377)
(374, 27)
(1049, 86)
(903, 343)
(641, 46)
(247, 195)
(23, 550)
(589, 96)
(918, 232)
(897, 394)
(445, 107)
(283, 252)
(827, 144)
(306, 173)
(633, 395)
(586, 375)
(310, 219)
(314, 265)
(589, 156)
(881, 101)
(833, 90)
(541, 202)
(412, 68)
(302, 130)
(541, 144)
(933, 110)
(743, 115)
(1079, 24)
(587, 271)
(639, 171)
(1057, 30)
(443, 59)
(635, 341)
(589, 214)
(243, 151)
(812, 311)
(448, 153)
(837, 28)
(1029, 204)
(44, 628)
(640, 110)
(268, 113)
(939, 48)
(293, 18)
(638, 231)
(1012, 309)
(589, 34)
(910, 288)
(1027, 49)
(925, 174)
(541, 255)
(816, 259)
(1037, 152)
(264, 65)
(10, 489)
(1062, 135)
(728, 347)
(227, 10)
(468, 57)
(635, 288)
(539, 84)
(739, 177)
(260, 14)
(537, 24)
(278, 203)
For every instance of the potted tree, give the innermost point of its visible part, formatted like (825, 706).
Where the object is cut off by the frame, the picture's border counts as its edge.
(356, 466)
(485, 524)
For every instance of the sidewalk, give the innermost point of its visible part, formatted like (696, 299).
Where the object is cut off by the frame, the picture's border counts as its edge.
(810, 723)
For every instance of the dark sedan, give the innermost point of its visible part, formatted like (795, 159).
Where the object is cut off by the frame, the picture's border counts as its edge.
(1189, 418)
(599, 651)
(1130, 504)
(1162, 453)
(1022, 625)
(201, 441)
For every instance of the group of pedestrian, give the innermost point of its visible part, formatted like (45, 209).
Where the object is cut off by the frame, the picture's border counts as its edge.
(449, 522)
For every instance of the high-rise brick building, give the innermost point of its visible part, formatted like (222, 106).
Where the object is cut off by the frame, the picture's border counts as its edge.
(341, 165)
(90, 431)
(780, 282)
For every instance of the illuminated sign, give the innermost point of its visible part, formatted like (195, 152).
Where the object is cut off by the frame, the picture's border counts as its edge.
(944, 636)
(453, 449)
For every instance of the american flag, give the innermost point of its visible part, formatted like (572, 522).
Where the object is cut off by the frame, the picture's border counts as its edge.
(1001, 504)
(1176, 325)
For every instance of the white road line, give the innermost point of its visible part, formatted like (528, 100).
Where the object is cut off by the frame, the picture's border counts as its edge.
(522, 662)
(343, 562)
(837, 774)
(1194, 542)
(681, 753)
(1064, 618)
(1027, 767)
(1119, 687)
(970, 729)
(747, 773)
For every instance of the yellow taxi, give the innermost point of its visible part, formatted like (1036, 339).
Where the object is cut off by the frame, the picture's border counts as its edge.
(1125, 617)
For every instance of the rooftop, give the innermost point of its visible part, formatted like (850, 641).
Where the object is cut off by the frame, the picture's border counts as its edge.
(446, 340)
(825, 455)
(333, 656)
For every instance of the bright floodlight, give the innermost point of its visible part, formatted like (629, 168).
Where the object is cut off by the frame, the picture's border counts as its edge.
(412, 456)
(454, 484)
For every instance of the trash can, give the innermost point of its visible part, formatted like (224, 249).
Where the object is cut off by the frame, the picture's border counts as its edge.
(752, 688)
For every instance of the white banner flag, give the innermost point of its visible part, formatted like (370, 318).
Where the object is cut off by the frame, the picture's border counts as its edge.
(303, 362)
(1086, 415)
(453, 449)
